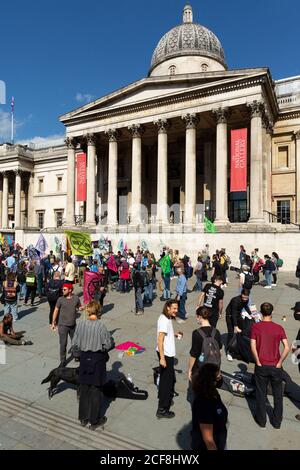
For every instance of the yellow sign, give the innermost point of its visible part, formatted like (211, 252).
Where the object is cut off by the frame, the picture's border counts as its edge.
(80, 243)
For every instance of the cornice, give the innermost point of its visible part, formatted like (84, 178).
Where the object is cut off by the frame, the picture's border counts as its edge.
(289, 115)
(217, 89)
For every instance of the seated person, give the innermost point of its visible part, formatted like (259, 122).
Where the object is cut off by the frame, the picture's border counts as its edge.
(7, 334)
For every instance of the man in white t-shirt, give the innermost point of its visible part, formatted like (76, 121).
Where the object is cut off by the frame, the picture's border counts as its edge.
(166, 352)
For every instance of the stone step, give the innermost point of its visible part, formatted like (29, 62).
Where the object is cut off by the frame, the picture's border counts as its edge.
(60, 426)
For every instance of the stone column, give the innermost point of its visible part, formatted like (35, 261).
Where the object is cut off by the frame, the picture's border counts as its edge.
(136, 183)
(221, 116)
(256, 164)
(207, 189)
(71, 144)
(31, 222)
(162, 172)
(191, 121)
(18, 199)
(5, 201)
(297, 137)
(267, 129)
(112, 200)
(91, 180)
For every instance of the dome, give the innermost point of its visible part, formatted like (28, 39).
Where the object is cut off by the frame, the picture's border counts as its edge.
(188, 39)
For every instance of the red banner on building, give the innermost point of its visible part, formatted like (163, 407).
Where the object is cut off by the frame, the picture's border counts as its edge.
(239, 141)
(81, 177)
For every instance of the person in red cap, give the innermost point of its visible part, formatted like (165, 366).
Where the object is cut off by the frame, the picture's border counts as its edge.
(64, 317)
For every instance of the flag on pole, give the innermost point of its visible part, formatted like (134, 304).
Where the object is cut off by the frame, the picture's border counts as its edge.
(80, 243)
(42, 244)
(209, 226)
(12, 104)
(165, 264)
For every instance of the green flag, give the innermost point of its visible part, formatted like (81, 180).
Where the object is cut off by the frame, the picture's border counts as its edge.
(80, 243)
(209, 226)
(165, 264)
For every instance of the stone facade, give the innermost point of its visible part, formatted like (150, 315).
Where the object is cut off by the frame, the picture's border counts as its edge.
(164, 141)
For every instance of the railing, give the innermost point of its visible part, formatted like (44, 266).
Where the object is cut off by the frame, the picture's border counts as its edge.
(284, 220)
(79, 220)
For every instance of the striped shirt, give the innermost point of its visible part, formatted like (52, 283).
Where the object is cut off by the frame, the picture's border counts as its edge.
(92, 336)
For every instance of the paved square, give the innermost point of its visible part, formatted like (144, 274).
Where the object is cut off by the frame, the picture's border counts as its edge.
(28, 420)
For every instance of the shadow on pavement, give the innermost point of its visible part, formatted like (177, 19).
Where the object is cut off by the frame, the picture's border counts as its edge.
(293, 286)
(108, 308)
(24, 313)
(183, 437)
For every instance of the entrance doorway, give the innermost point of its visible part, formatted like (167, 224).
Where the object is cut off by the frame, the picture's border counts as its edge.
(122, 206)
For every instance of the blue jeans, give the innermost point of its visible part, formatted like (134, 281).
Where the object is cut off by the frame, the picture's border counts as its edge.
(198, 285)
(182, 310)
(139, 304)
(13, 309)
(268, 277)
(148, 292)
(167, 282)
(23, 290)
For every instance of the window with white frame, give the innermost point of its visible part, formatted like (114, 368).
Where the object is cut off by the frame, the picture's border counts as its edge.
(172, 70)
(59, 183)
(40, 219)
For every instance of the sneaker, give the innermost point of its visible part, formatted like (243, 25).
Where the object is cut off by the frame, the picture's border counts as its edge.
(274, 285)
(165, 414)
(97, 425)
(175, 394)
(180, 321)
(27, 343)
(229, 357)
(140, 312)
(268, 287)
(84, 422)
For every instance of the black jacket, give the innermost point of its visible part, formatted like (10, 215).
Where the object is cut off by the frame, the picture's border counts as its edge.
(234, 311)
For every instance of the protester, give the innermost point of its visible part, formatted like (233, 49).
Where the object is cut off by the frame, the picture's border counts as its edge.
(212, 297)
(234, 319)
(242, 255)
(199, 274)
(94, 342)
(276, 262)
(181, 290)
(70, 271)
(21, 278)
(266, 337)
(166, 353)
(165, 264)
(209, 414)
(8, 335)
(198, 355)
(138, 284)
(269, 268)
(11, 289)
(53, 292)
(124, 277)
(64, 317)
(31, 285)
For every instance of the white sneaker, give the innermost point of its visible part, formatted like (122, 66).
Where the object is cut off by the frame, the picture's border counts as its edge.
(268, 287)
(229, 358)
(274, 285)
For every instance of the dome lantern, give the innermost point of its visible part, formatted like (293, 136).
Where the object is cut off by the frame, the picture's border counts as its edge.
(188, 14)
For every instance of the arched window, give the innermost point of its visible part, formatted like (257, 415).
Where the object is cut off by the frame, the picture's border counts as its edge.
(204, 67)
(172, 70)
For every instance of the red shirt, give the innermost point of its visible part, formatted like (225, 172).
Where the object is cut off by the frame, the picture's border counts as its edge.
(268, 336)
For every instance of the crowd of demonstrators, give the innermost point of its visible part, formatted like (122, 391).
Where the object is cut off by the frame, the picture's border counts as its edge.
(269, 266)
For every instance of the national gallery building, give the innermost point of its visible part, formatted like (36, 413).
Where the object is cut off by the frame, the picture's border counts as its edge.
(192, 139)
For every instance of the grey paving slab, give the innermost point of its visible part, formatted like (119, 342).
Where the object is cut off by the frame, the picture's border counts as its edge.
(27, 366)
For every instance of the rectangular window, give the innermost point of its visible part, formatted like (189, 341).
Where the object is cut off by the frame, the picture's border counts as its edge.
(59, 218)
(59, 183)
(41, 185)
(284, 212)
(40, 219)
(283, 157)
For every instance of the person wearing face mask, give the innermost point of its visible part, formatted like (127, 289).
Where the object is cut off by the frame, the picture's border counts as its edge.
(197, 357)
(209, 414)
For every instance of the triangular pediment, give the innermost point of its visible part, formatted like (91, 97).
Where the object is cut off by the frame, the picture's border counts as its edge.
(153, 88)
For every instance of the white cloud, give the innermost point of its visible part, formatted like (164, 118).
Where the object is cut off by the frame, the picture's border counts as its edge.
(40, 142)
(84, 98)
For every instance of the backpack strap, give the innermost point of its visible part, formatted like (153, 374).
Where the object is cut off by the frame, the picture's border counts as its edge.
(201, 333)
(213, 333)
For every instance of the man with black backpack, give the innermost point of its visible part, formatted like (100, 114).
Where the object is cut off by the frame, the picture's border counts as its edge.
(10, 295)
(53, 292)
(246, 278)
(206, 343)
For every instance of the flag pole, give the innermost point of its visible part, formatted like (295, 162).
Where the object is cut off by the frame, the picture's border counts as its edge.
(12, 119)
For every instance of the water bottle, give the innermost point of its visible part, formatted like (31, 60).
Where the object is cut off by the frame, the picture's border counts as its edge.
(201, 357)
(129, 378)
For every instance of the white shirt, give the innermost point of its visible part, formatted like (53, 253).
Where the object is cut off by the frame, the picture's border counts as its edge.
(165, 325)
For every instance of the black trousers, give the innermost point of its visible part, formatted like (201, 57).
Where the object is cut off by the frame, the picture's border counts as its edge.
(263, 375)
(256, 277)
(213, 319)
(30, 292)
(52, 308)
(90, 403)
(64, 332)
(166, 383)
(230, 329)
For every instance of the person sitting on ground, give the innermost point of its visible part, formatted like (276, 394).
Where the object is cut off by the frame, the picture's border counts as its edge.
(209, 414)
(197, 356)
(10, 295)
(8, 335)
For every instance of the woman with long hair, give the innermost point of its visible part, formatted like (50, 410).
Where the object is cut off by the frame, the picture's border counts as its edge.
(209, 414)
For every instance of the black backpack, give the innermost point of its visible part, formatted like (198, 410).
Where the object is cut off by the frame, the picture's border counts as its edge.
(249, 279)
(53, 293)
(210, 353)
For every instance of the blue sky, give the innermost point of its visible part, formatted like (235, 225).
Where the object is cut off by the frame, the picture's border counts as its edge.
(58, 54)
